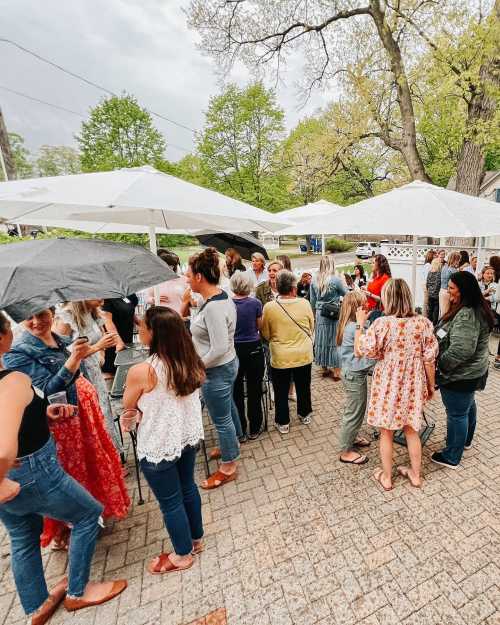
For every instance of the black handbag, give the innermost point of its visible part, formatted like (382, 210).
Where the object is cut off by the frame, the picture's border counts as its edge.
(330, 310)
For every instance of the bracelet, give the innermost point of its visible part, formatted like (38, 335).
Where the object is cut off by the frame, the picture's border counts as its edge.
(359, 327)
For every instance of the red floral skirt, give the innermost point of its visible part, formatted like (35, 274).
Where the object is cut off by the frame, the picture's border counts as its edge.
(86, 451)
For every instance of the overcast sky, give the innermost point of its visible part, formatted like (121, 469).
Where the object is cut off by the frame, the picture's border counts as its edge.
(144, 48)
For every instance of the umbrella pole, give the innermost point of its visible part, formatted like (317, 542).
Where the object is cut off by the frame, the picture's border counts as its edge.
(414, 270)
(479, 253)
(322, 244)
(153, 248)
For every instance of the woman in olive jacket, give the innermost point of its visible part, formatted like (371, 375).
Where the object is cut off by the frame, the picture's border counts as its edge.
(463, 335)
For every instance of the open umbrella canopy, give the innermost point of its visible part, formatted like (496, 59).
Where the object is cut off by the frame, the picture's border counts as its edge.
(244, 244)
(305, 218)
(418, 209)
(41, 273)
(140, 196)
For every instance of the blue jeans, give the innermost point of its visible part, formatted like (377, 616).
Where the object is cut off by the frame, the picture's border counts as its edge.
(218, 396)
(173, 485)
(47, 490)
(461, 423)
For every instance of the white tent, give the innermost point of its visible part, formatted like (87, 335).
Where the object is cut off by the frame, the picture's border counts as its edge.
(417, 209)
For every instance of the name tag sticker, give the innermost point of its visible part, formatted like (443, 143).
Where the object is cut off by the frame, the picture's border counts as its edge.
(441, 333)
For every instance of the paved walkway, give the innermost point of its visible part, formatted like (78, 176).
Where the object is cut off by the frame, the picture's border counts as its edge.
(300, 539)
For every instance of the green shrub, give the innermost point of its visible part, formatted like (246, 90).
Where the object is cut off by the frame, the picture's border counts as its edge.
(338, 245)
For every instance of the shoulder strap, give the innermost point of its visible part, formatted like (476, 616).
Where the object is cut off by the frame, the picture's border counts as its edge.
(295, 322)
(4, 373)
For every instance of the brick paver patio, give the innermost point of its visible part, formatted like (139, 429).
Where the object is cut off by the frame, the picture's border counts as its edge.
(300, 539)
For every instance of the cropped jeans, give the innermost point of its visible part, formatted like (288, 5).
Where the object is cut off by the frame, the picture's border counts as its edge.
(217, 391)
(173, 485)
(47, 490)
(356, 394)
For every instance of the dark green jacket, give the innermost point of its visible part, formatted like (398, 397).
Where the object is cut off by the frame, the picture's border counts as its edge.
(264, 293)
(463, 351)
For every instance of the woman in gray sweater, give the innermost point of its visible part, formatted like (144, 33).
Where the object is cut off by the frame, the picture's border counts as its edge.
(213, 337)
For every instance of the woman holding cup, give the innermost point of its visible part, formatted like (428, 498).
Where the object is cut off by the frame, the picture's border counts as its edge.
(84, 447)
(78, 319)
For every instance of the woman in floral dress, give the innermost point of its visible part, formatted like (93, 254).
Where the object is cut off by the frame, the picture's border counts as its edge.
(405, 347)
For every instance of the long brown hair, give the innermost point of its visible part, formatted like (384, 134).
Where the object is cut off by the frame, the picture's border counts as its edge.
(470, 297)
(381, 266)
(171, 343)
(495, 263)
(350, 304)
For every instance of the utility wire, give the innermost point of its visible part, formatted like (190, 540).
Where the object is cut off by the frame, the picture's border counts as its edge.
(29, 97)
(85, 80)
(81, 115)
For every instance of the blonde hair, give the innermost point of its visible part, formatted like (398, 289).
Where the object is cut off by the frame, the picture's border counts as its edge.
(260, 257)
(397, 299)
(350, 304)
(326, 271)
(80, 313)
(436, 264)
(454, 260)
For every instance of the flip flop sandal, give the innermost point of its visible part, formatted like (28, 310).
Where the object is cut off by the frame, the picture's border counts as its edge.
(165, 565)
(360, 459)
(198, 549)
(221, 478)
(404, 471)
(215, 454)
(377, 476)
(362, 442)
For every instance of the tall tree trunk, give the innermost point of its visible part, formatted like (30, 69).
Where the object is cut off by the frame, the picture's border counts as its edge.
(407, 144)
(482, 107)
(8, 157)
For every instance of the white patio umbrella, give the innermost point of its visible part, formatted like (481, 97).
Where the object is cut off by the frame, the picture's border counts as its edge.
(136, 197)
(418, 209)
(140, 196)
(304, 219)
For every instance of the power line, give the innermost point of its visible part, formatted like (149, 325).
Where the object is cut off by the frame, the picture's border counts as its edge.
(81, 115)
(86, 80)
(29, 97)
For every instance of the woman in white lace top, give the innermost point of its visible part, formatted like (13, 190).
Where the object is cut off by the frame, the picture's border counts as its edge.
(165, 390)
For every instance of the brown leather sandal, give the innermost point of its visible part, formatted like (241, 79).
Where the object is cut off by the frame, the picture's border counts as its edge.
(165, 565)
(77, 603)
(217, 479)
(200, 547)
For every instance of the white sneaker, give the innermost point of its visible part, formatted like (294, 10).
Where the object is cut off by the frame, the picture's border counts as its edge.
(283, 429)
(305, 420)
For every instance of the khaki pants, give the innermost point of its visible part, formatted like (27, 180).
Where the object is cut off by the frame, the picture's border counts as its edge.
(444, 302)
(356, 390)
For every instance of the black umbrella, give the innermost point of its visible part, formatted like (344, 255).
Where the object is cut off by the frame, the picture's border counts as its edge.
(41, 273)
(243, 243)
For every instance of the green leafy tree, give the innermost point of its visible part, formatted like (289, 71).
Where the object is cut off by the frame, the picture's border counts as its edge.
(57, 160)
(22, 157)
(238, 146)
(119, 133)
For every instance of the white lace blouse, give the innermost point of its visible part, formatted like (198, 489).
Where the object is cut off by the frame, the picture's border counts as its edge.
(169, 423)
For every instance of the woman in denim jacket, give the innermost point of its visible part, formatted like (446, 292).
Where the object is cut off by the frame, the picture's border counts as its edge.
(84, 448)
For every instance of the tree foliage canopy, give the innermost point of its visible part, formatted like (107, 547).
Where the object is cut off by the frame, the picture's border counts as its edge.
(119, 133)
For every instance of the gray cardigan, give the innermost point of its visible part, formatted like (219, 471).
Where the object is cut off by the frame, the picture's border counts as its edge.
(213, 331)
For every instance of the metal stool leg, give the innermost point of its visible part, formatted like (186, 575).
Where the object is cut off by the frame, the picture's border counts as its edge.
(136, 461)
(205, 457)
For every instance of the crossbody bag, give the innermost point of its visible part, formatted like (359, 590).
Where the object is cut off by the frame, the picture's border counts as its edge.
(295, 322)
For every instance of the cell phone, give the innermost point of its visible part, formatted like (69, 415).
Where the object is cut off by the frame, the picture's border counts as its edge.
(82, 338)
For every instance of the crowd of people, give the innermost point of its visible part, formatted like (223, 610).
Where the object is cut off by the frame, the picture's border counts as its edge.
(219, 333)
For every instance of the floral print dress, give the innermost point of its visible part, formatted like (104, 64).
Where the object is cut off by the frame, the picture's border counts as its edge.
(399, 385)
